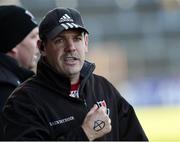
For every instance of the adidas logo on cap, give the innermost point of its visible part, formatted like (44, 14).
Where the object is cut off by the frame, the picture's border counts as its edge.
(69, 25)
(65, 18)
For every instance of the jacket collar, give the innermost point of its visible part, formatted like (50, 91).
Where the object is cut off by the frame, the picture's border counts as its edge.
(57, 81)
(11, 65)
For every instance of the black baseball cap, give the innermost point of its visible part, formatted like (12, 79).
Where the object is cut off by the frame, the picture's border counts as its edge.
(16, 23)
(58, 20)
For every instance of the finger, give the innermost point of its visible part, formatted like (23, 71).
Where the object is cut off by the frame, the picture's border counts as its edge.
(109, 121)
(93, 109)
(102, 108)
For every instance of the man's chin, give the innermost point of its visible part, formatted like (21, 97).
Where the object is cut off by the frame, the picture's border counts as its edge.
(33, 68)
(72, 71)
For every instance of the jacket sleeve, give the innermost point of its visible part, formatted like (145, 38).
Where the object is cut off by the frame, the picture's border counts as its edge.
(129, 125)
(22, 120)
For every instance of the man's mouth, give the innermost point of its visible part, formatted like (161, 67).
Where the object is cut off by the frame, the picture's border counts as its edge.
(71, 60)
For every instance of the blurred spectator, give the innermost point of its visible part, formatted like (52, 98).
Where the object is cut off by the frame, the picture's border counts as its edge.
(18, 50)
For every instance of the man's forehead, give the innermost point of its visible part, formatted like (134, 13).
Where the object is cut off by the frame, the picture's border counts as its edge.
(71, 32)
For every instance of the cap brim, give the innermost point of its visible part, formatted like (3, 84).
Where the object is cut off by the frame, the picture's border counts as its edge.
(62, 28)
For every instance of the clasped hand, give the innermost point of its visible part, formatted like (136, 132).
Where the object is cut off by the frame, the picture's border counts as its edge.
(96, 123)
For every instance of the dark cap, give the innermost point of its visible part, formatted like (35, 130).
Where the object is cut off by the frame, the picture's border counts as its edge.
(58, 20)
(16, 23)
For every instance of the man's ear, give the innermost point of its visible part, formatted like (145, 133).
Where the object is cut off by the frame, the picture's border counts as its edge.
(41, 47)
(13, 52)
(86, 42)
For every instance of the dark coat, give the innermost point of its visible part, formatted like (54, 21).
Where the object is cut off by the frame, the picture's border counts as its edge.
(11, 75)
(41, 108)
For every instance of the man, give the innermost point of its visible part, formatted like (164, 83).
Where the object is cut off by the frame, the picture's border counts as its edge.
(18, 49)
(65, 100)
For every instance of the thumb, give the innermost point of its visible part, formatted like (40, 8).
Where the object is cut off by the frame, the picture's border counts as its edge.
(93, 109)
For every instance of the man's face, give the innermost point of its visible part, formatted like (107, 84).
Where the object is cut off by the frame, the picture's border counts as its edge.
(66, 52)
(27, 51)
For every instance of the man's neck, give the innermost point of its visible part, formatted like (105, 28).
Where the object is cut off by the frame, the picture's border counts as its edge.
(74, 78)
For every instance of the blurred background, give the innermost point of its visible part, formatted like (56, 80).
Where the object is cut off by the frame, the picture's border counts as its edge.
(136, 45)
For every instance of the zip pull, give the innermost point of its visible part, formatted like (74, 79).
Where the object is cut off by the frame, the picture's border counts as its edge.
(85, 103)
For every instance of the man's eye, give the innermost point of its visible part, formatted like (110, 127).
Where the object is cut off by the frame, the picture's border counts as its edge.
(58, 40)
(78, 38)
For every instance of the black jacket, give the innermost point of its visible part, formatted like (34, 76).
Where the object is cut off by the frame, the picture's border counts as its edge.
(11, 75)
(41, 108)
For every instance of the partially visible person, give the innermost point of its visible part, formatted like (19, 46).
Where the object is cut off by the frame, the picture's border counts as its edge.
(18, 51)
(18, 48)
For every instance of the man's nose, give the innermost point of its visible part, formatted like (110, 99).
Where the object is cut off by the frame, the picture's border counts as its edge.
(70, 47)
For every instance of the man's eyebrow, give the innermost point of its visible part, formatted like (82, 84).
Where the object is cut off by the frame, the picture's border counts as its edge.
(58, 36)
(63, 35)
(79, 34)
